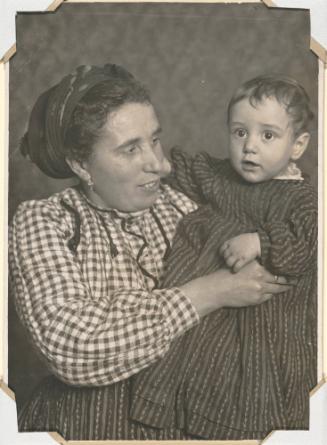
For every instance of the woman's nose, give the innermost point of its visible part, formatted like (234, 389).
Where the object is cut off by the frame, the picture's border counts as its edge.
(153, 160)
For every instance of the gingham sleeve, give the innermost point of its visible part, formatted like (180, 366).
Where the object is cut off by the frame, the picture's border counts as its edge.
(86, 341)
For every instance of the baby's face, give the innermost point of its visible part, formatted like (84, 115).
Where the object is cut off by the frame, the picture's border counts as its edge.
(261, 139)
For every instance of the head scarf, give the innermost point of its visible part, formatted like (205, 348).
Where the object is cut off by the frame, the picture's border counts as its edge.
(51, 115)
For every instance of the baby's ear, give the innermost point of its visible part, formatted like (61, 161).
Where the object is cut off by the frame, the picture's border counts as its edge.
(299, 145)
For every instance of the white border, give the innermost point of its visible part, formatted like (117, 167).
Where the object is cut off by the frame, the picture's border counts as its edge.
(318, 8)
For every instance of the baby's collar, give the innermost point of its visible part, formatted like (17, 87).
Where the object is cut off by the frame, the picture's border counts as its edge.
(291, 172)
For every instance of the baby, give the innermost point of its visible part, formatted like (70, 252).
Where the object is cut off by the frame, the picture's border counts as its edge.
(268, 119)
(244, 372)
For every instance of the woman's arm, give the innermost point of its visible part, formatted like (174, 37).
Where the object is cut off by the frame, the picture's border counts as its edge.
(86, 339)
(250, 286)
(92, 340)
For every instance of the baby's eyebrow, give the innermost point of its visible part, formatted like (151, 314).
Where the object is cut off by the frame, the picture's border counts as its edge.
(272, 126)
(236, 123)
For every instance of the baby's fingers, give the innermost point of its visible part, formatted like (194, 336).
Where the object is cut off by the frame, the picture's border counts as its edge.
(223, 249)
(239, 264)
(231, 261)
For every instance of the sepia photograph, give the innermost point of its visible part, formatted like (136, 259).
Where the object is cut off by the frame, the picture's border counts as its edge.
(163, 221)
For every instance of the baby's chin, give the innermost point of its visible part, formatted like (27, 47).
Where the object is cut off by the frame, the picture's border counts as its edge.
(255, 180)
(254, 176)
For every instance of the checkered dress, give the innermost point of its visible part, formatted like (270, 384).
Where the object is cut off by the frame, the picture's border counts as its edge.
(85, 284)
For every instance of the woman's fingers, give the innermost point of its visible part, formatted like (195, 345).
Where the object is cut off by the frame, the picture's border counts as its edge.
(282, 280)
(276, 288)
(266, 297)
(278, 281)
(265, 283)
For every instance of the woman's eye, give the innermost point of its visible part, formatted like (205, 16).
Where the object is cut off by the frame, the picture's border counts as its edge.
(131, 149)
(155, 140)
(268, 135)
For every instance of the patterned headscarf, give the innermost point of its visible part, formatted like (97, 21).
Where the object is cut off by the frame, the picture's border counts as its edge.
(51, 115)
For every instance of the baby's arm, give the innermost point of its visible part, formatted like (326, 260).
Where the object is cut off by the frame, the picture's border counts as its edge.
(241, 250)
(290, 247)
(286, 244)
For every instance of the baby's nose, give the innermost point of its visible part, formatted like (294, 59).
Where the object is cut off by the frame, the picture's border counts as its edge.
(250, 145)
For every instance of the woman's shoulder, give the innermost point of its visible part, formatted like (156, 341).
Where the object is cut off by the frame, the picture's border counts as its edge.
(53, 207)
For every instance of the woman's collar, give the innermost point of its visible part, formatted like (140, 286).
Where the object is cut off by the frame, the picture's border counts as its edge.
(112, 211)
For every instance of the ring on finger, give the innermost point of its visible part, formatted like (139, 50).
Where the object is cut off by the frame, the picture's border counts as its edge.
(276, 278)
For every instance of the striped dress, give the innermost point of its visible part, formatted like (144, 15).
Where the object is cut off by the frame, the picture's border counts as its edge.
(242, 372)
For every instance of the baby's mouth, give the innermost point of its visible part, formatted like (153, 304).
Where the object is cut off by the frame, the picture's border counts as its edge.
(250, 165)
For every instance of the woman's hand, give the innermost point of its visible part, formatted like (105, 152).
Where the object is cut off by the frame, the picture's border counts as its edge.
(250, 286)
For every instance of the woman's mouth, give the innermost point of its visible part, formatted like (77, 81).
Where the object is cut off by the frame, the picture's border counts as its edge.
(151, 186)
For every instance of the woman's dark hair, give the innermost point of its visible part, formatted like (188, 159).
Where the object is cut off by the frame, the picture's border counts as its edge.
(288, 92)
(66, 119)
(91, 113)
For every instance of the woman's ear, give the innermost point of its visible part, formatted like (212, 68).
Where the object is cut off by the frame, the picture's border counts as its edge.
(299, 146)
(79, 170)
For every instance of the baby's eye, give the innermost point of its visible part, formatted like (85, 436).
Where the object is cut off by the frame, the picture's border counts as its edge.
(240, 132)
(268, 135)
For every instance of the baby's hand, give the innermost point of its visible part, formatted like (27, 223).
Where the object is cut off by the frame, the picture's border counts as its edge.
(240, 250)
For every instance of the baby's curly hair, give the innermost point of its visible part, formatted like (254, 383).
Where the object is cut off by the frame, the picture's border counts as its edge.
(287, 91)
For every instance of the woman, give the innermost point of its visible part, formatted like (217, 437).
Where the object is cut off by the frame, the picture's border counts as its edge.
(85, 263)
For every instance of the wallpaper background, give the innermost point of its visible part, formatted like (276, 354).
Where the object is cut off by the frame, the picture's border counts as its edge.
(190, 56)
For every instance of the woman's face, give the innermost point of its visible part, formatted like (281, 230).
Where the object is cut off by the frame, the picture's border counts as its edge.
(127, 160)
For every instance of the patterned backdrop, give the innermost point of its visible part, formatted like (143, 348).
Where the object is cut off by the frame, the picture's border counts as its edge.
(190, 56)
